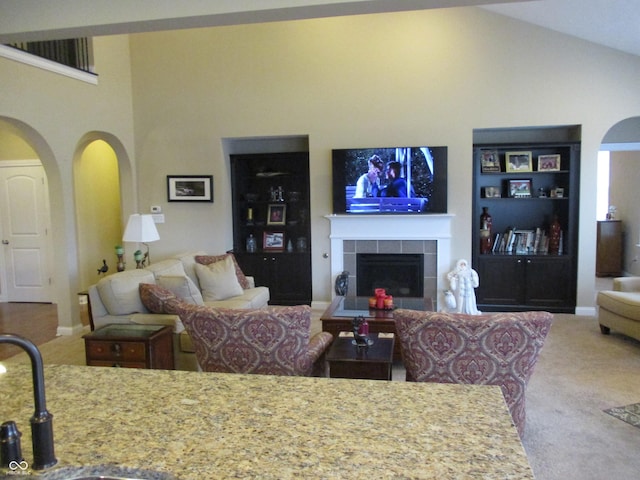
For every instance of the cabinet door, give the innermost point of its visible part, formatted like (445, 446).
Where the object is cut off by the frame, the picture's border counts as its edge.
(293, 279)
(549, 282)
(288, 275)
(501, 281)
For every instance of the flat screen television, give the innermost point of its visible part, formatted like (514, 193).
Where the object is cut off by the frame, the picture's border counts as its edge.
(409, 180)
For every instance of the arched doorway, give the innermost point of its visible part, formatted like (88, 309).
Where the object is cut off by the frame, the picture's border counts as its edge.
(25, 222)
(98, 210)
(622, 142)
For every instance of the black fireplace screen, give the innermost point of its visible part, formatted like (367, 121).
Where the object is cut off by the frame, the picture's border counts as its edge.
(402, 275)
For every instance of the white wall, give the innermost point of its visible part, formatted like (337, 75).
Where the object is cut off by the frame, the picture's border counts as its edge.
(372, 80)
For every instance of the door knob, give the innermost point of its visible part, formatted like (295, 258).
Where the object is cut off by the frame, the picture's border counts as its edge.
(5, 242)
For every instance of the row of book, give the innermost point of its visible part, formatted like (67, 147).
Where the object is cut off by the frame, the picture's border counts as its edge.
(523, 242)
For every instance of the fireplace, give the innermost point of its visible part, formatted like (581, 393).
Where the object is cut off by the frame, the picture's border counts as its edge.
(426, 235)
(401, 275)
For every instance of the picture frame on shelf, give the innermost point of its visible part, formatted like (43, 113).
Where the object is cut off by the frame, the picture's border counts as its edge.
(276, 214)
(190, 188)
(489, 161)
(518, 162)
(273, 241)
(548, 163)
(520, 188)
(557, 192)
(492, 192)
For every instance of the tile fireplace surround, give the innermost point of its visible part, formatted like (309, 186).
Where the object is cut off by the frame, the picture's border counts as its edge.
(426, 234)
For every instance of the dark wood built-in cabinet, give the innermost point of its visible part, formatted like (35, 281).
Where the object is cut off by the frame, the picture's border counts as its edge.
(526, 275)
(609, 249)
(276, 184)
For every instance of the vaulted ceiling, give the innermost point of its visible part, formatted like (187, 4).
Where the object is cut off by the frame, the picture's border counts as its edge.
(613, 23)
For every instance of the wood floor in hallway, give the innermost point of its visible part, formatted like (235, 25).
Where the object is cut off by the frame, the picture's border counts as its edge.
(37, 322)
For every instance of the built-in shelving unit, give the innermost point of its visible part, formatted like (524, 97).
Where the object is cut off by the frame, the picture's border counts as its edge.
(271, 205)
(524, 186)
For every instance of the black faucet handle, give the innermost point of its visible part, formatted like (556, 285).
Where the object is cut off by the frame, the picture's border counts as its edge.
(10, 448)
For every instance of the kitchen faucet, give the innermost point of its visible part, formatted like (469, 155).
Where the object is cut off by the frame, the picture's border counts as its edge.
(42, 420)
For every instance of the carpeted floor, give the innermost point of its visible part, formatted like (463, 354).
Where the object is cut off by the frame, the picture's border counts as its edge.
(580, 374)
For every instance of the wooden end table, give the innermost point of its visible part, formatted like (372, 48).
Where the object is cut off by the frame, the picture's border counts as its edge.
(374, 363)
(130, 346)
(339, 315)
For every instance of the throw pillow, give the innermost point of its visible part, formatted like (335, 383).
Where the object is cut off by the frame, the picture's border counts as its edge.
(182, 287)
(154, 297)
(209, 259)
(218, 280)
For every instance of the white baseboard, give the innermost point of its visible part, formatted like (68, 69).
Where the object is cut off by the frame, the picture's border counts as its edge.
(586, 311)
(69, 330)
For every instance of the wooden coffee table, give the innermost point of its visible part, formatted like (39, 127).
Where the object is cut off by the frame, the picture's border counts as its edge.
(338, 316)
(373, 363)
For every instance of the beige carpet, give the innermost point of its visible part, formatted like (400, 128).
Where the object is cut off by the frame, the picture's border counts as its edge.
(569, 436)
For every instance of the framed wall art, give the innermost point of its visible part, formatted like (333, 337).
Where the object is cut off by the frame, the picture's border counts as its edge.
(518, 162)
(273, 241)
(190, 188)
(548, 163)
(276, 214)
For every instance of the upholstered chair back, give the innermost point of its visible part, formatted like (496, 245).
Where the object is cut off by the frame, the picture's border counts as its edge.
(273, 340)
(489, 349)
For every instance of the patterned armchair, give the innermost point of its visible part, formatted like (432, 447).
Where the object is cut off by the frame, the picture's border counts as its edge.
(490, 349)
(273, 340)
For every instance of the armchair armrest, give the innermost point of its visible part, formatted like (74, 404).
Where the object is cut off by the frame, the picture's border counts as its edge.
(159, 319)
(318, 345)
(626, 284)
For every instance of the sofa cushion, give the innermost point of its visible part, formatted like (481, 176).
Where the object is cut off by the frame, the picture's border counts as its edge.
(251, 298)
(218, 280)
(182, 287)
(209, 259)
(119, 292)
(154, 297)
(170, 266)
(625, 304)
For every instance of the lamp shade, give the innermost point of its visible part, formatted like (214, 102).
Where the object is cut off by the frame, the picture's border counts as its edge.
(140, 228)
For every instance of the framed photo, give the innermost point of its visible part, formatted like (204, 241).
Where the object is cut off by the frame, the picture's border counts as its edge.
(273, 241)
(518, 162)
(489, 161)
(520, 188)
(190, 188)
(548, 163)
(492, 192)
(276, 214)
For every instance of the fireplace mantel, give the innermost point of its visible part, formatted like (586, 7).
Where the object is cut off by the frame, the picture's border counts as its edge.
(392, 227)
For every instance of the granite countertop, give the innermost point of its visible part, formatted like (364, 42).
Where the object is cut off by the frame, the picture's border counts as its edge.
(206, 425)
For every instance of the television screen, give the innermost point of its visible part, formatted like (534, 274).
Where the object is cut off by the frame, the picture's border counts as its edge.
(390, 180)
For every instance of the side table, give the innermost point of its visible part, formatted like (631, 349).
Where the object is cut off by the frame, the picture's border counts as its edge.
(373, 363)
(130, 346)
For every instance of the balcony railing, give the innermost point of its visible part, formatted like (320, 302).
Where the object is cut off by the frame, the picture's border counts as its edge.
(75, 52)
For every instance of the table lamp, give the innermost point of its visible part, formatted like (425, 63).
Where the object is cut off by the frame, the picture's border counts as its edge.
(142, 229)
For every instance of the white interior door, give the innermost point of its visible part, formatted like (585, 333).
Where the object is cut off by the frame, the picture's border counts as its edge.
(24, 232)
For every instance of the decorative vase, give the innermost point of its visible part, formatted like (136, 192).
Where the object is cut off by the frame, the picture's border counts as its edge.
(485, 231)
(554, 236)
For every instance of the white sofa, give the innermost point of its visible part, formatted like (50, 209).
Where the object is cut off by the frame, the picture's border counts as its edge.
(116, 299)
(619, 309)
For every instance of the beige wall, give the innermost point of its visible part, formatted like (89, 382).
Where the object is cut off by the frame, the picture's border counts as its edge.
(58, 116)
(406, 78)
(372, 80)
(625, 195)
